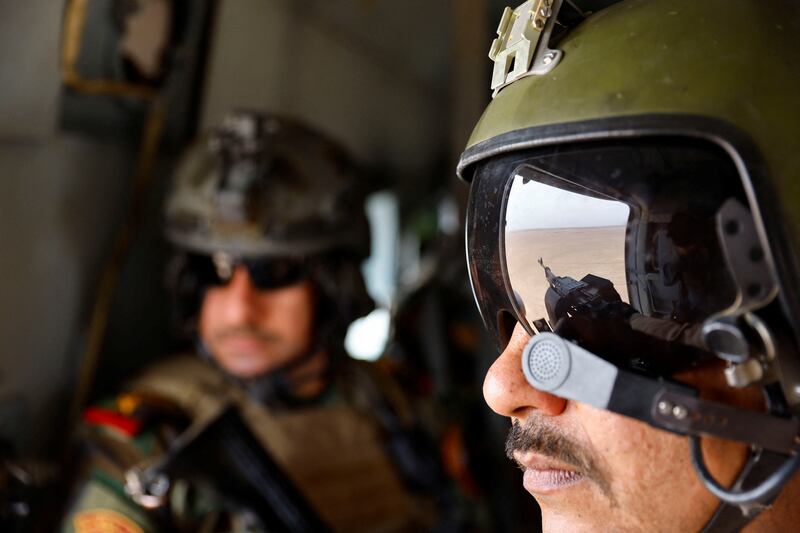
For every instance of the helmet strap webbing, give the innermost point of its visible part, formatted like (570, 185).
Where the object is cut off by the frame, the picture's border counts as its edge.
(732, 518)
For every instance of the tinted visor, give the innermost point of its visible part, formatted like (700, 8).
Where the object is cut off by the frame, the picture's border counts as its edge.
(611, 244)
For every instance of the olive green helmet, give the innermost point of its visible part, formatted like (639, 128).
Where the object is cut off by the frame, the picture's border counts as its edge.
(262, 185)
(648, 159)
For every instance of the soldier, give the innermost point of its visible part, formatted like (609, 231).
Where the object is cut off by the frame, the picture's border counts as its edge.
(648, 156)
(269, 233)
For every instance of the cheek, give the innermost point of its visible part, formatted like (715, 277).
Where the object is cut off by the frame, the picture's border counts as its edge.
(633, 437)
(650, 472)
(288, 311)
(209, 315)
(638, 457)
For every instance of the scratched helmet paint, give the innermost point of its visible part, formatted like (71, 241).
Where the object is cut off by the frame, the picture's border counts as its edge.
(634, 190)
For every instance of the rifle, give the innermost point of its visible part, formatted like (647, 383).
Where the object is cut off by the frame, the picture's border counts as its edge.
(224, 451)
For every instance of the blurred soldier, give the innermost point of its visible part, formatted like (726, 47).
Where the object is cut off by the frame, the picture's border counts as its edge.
(270, 233)
(632, 237)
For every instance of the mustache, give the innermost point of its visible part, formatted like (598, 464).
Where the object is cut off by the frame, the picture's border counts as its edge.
(537, 436)
(248, 331)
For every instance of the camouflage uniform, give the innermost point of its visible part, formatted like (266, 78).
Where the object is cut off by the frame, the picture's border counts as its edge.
(333, 451)
(263, 188)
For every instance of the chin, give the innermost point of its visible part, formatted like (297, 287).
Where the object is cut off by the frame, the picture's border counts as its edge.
(580, 520)
(575, 525)
(582, 509)
(245, 367)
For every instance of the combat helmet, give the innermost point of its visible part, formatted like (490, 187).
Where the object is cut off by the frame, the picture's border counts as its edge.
(634, 206)
(269, 190)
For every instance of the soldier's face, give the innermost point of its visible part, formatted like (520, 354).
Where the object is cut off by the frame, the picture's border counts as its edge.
(250, 331)
(592, 470)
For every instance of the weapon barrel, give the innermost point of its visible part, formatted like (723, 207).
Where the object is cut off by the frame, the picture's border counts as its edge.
(552, 279)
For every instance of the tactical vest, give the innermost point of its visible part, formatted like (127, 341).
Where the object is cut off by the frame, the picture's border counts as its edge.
(333, 453)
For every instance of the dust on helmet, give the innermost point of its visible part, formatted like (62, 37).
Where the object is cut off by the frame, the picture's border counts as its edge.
(634, 206)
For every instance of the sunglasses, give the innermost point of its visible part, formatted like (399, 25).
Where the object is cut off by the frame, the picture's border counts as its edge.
(265, 273)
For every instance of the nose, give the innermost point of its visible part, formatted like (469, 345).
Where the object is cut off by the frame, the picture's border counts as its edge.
(239, 296)
(506, 390)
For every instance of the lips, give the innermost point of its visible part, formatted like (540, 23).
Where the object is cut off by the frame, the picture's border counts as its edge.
(243, 342)
(242, 355)
(544, 475)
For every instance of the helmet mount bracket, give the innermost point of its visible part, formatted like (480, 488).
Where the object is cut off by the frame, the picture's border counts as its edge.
(737, 335)
(521, 47)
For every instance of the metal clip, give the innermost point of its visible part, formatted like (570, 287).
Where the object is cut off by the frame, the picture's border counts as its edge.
(737, 334)
(149, 491)
(517, 51)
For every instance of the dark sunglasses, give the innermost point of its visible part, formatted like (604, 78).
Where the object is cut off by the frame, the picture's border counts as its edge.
(265, 273)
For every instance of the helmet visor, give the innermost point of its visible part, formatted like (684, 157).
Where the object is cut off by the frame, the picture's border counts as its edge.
(569, 233)
(615, 245)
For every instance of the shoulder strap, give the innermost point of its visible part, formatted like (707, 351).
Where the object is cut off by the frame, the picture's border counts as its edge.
(187, 382)
(373, 392)
(412, 450)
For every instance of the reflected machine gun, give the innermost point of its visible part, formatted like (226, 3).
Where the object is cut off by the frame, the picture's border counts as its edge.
(591, 296)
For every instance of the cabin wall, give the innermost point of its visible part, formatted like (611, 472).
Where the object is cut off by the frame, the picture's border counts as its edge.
(60, 197)
(296, 59)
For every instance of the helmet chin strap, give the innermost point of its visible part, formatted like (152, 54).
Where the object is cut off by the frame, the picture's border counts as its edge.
(760, 466)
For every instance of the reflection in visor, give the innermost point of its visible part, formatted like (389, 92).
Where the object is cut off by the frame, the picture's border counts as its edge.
(609, 245)
(570, 235)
